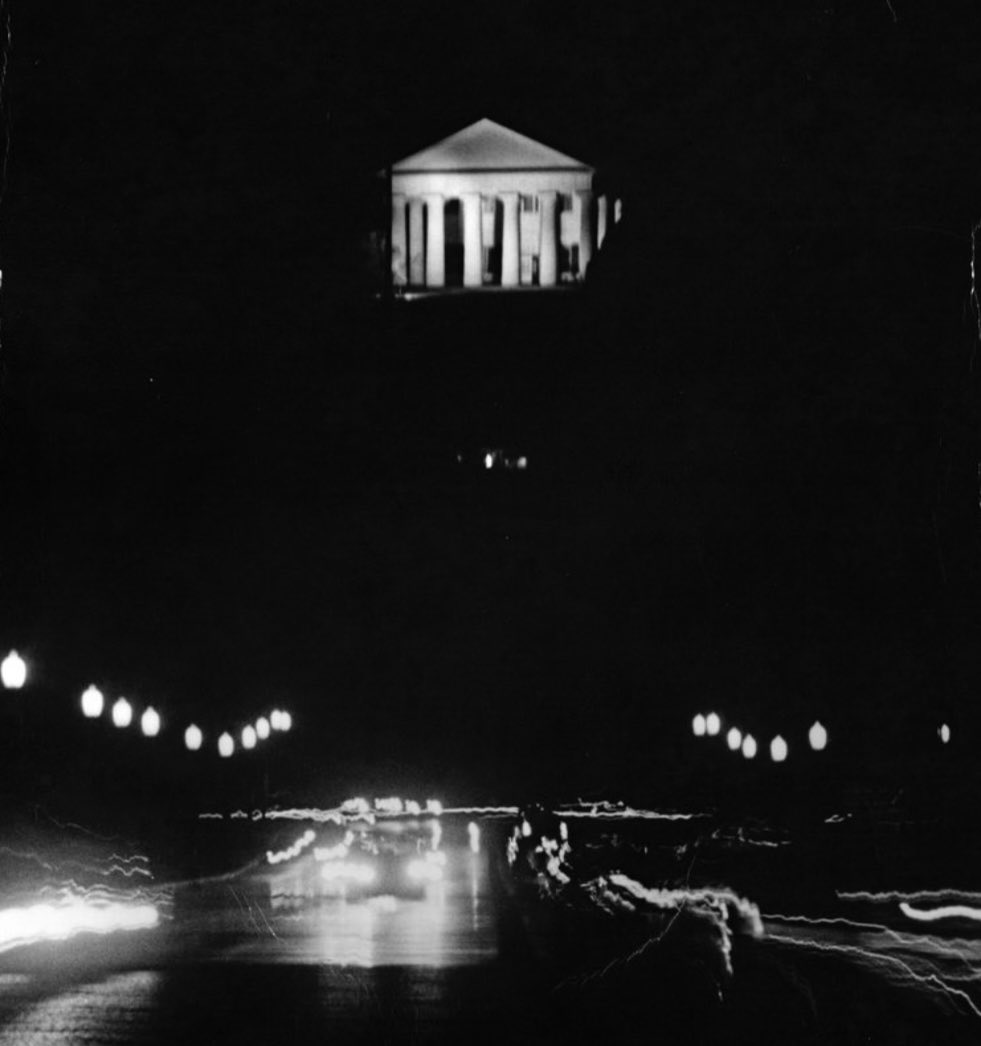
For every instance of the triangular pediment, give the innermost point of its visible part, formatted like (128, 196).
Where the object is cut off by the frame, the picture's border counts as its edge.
(487, 146)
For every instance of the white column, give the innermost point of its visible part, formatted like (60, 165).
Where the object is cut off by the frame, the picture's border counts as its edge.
(473, 263)
(435, 243)
(398, 240)
(601, 206)
(510, 241)
(585, 201)
(417, 250)
(548, 260)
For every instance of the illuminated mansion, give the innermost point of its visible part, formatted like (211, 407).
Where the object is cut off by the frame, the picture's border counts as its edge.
(488, 207)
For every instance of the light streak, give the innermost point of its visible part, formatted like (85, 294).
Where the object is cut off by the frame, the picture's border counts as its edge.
(913, 897)
(950, 911)
(290, 852)
(49, 922)
(474, 833)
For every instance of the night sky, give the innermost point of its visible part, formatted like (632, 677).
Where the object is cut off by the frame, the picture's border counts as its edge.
(230, 477)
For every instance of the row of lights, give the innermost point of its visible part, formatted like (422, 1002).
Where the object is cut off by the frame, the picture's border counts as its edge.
(93, 704)
(13, 675)
(711, 725)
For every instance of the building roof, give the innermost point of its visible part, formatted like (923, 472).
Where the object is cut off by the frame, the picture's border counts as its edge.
(488, 146)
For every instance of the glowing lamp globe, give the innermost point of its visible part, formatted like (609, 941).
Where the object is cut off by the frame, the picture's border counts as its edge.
(817, 737)
(262, 728)
(713, 724)
(193, 738)
(150, 722)
(778, 749)
(698, 725)
(944, 733)
(749, 747)
(122, 713)
(226, 746)
(13, 671)
(734, 739)
(92, 703)
(248, 737)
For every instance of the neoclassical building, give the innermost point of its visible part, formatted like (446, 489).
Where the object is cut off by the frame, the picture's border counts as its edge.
(489, 207)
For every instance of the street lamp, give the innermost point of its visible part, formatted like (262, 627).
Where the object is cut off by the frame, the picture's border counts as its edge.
(698, 725)
(248, 737)
(122, 713)
(817, 736)
(193, 738)
(713, 724)
(92, 703)
(778, 749)
(262, 727)
(150, 722)
(13, 671)
(226, 746)
(734, 738)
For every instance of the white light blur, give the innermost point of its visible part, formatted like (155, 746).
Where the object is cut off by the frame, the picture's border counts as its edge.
(92, 703)
(262, 728)
(226, 745)
(413, 808)
(248, 737)
(389, 805)
(749, 747)
(357, 806)
(713, 724)
(150, 722)
(944, 733)
(526, 829)
(522, 462)
(424, 871)
(474, 832)
(122, 713)
(285, 721)
(817, 737)
(698, 725)
(734, 738)
(193, 738)
(48, 922)
(13, 671)
(488, 461)
(778, 749)
(331, 853)
(563, 831)
(434, 806)
(347, 871)
(275, 719)
(437, 834)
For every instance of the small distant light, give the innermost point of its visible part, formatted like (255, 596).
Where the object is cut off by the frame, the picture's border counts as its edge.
(226, 746)
(778, 749)
(150, 722)
(488, 461)
(944, 733)
(526, 829)
(13, 671)
(92, 703)
(749, 747)
(193, 738)
(522, 462)
(262, 728)
(122, 713)
(817, 737)
(713, 724)
(248, 737)
(698, 725)
(734, 738)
